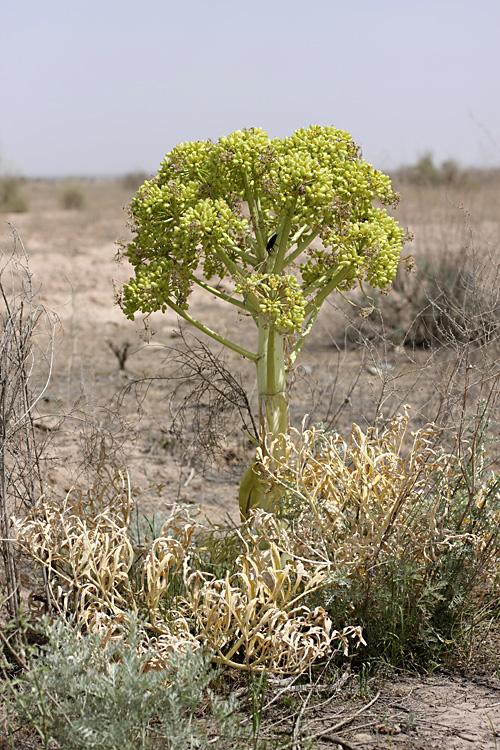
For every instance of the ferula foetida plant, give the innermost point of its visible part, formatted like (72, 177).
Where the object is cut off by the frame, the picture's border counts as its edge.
(284, 222)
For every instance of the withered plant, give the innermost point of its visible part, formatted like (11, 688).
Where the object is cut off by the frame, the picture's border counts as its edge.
(206, 402)
(253, 619)
(208, 397)
(454, 296)
(26, 352)
(410, 532)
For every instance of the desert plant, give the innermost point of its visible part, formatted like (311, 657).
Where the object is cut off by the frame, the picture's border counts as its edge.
(72, 195)
(121, 352)
(451, 173)
(453, 304)
(251, 615)
(411, 531)
(12, 199)
(245, 210)
(89, 691)
(26, 353)
(252, 620)
(450, 295)
(426, 173)
(445, 300)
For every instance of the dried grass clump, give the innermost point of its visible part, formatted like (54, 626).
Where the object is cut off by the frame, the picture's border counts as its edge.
(355, 491)
(450, 298)
(251, 619)
(84, 543)
(411, 532)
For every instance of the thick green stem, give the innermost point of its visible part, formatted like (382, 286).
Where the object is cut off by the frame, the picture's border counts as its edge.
(274, 418)
(271, 382)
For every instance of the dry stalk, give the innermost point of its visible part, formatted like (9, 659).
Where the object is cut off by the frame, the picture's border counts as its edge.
(26, 352)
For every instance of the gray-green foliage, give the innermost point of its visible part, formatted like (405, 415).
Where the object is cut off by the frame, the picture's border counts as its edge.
(86, 692)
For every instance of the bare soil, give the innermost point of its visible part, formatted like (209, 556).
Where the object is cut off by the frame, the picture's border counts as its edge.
(442, 711)
(91, 398)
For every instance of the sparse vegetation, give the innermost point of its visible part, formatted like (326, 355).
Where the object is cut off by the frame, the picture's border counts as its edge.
(409, 529)
(26, 351)
(384, 546)
(89, 691)
(427, 174)
(446, 299)
(72, 195)
(12, 197)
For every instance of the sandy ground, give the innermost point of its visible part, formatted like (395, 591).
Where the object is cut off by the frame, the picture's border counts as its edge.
(91, 401)
(441, 711)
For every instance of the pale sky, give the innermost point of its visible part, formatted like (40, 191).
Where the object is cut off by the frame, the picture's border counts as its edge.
(105, 87)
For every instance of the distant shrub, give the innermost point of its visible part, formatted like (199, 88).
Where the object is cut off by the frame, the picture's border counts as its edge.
(451, 297)
(133, 180)
(450, 172)
(72, 195)
(425, 172)
(12, 199)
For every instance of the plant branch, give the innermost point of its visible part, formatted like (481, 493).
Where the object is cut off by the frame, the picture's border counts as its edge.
(261, 241)
(279, 258)
(312, 310)
(219, 293)
(327, 283)
(231, 266)
(251, 260)
(213, 334)
(300, 341)
(262, 222)
(302, 246)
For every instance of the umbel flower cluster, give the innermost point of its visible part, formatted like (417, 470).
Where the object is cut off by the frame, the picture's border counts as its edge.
(280, 299)
(252, 209)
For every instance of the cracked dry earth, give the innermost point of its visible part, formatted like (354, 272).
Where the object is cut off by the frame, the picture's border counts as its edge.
(71, 257)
